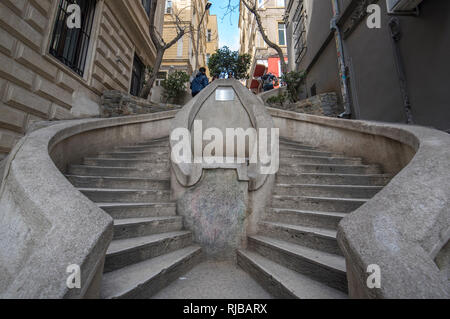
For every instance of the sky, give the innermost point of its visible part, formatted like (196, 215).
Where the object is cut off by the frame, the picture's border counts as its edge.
(228, 24)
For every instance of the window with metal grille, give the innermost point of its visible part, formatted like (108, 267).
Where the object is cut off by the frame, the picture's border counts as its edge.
(299, 26)
(147, 4)
(137, 76)
(70, 46)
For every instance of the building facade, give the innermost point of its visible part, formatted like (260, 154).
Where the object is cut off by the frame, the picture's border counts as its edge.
(212, 39)
(184, 55)
(50, 71)
(251, 42)
(395, 73)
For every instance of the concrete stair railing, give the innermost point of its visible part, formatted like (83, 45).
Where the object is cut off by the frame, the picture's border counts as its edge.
(46, 224)
(404, 229)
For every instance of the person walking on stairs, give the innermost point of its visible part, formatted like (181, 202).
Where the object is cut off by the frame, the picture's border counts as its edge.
(200, 82)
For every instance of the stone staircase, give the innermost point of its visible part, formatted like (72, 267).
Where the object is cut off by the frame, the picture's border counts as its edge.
(149, 248)
(295, 254)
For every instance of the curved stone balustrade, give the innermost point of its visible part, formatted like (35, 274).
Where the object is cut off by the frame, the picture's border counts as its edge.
(405, 228)
(45, 223)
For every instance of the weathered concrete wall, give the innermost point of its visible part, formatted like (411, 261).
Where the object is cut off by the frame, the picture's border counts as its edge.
(372, 66)
(118, 103)
(216, 210)
(325, 104)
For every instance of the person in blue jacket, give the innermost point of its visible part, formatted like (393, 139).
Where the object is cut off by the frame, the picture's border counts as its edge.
(200, 82)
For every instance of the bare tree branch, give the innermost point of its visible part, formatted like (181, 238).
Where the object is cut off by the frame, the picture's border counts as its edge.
(252, 7)
(160, 45)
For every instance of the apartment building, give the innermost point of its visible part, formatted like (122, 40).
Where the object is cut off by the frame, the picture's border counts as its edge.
(50, 71)
(251, 42)
(212, 39)
(189, 53)
(396, 73)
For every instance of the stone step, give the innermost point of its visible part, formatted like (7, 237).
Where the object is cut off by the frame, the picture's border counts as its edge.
(292, 143)
(135, 227)
(138, 210)
(283, 282)
(333, 179)
(137, 148)
(159, 142)
(343, 191)
(104, 195)
(118, 182)
(323, 204)
(327, 220)
(144, 279)
(329, 168)
(124, 252)
(148, 156)
(293, 153)
(118, 172)
(311, 237)
(304, 159)
(318, 265)
(123, 162)
(284, 147)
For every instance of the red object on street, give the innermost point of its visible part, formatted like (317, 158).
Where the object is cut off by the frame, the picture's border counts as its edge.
(259, 70)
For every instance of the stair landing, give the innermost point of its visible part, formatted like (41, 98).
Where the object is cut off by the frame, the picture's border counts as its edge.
(214, 280)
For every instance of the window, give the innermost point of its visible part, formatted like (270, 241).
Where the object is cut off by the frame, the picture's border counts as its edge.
(260, 3)
(281, 34)
(137, 76)
(281, 3)
(313, 90)
(209, 35)
(180, 47)
(147, 4)
(299, 32)
(207, 57)
(70, 46)
(168, 7)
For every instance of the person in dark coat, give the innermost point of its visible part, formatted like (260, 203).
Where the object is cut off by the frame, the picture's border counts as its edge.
(200, 82)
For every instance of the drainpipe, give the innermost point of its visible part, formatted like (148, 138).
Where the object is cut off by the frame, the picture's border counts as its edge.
(341, 61)
(396, 35)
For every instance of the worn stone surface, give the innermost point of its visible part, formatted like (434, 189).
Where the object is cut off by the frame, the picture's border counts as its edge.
(214, 280)
(117, 103)
(325, 104)
(407, 224)
(216, 211)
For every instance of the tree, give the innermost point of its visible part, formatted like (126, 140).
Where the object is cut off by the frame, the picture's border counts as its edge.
(160, 45)
(175, 85)
(252, 7)
(225, 61)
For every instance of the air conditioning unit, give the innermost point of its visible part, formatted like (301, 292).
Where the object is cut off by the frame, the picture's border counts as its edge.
(398, 6)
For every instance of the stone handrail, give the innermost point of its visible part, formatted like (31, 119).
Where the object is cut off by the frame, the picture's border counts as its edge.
(406, 226)
(45, 223)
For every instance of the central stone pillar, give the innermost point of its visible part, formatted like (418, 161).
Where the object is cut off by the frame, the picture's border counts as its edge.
(220, 189)
(216, 210)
